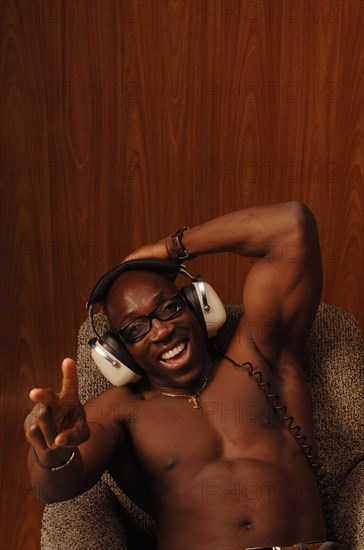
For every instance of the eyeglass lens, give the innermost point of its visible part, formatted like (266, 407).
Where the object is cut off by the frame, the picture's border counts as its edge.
(165, 310)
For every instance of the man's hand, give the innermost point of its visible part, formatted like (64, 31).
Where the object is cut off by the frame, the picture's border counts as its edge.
(58, 420)
(151, 250)
(59, 466)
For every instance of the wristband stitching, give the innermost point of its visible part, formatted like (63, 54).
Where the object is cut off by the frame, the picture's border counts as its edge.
(53, 468)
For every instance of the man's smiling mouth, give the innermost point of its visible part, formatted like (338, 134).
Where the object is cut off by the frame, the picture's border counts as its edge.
(173, 352)
(177, 355)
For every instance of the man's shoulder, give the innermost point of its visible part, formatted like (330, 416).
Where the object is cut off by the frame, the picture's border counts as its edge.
(117, 403)
(116, 392)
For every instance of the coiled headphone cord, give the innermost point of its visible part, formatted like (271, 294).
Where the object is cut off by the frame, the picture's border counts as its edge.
(281, 410)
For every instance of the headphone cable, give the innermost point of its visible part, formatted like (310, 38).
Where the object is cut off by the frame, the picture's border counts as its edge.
(281, 411)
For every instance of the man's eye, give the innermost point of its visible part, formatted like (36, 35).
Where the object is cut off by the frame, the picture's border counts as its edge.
(170, 307)
(134, 330)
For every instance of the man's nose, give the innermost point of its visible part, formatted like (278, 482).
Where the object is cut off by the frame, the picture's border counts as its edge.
(161, 330)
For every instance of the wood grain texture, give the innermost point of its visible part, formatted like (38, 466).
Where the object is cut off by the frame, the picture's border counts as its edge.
(123, 120)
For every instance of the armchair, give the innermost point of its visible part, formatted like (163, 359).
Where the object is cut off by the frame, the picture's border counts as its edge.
(104, 518)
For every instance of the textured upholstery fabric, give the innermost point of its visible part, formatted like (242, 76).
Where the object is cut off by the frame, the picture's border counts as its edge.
(92, 521)
(334, 362)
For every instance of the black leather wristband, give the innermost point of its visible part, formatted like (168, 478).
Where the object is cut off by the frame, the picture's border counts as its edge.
(176, 249)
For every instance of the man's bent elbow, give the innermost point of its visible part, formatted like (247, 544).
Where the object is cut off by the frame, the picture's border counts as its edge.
(302, 214)
(303, 222)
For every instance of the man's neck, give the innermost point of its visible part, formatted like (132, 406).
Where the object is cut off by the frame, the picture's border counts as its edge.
(191, 388)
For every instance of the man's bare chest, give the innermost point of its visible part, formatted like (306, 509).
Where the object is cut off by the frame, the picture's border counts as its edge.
(234, 420)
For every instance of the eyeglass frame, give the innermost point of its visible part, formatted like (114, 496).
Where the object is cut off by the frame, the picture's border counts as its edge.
(152, 315)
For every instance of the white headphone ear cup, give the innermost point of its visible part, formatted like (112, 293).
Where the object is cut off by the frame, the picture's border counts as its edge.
(118, 375)
(115, 363)
(190, 293)
(215, 316)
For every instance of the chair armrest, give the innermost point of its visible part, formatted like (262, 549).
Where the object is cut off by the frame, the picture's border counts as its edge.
(348, 515)
(92, 520)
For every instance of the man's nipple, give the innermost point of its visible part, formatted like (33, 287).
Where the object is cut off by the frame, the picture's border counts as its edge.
(170, 463)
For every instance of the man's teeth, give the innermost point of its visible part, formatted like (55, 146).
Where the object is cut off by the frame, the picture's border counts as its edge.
(172, 352)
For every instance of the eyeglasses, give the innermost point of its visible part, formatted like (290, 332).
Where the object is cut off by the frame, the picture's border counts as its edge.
(138, 328)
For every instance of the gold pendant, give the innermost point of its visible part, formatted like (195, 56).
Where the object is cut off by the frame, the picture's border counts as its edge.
(195, 402)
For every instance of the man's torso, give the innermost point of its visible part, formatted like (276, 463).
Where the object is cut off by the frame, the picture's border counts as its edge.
(228, 474)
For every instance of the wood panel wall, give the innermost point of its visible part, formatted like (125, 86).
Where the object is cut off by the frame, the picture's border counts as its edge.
(123, 120)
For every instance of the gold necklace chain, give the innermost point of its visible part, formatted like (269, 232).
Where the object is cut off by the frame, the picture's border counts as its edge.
(193, 399)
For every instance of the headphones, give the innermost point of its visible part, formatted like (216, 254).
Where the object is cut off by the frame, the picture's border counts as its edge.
(110, 353)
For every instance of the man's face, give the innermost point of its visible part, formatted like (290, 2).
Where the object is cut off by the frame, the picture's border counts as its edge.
(173, 353)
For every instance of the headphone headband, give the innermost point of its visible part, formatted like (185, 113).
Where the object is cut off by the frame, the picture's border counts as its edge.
(103, 285)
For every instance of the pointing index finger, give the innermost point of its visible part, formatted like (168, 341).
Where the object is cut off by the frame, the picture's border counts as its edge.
(69, 381)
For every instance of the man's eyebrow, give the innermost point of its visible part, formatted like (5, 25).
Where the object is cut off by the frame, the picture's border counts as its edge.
(134, 314)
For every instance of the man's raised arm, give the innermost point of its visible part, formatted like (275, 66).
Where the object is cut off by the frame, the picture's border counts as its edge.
(283, 287)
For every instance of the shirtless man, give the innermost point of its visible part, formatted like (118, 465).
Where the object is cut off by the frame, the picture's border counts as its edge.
(227, 475)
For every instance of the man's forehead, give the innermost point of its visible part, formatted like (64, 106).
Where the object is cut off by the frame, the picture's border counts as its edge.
(131, 292)
(139, 281)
